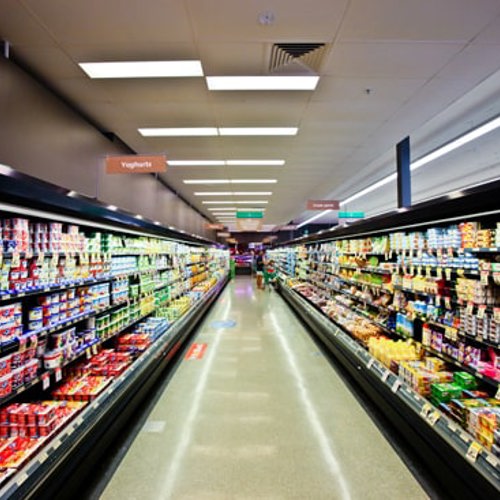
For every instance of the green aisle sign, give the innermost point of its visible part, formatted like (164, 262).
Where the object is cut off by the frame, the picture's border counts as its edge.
(249, 215)
(351, 215)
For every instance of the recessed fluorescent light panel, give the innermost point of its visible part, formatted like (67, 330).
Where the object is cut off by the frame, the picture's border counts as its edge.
(262, 82)
(246, 202)
(233, 193)
(242, 131)
(230, 181)
(195, 163)
(142, 69)
(254, 209)
(221, 208)
(213, 131)
(264, 163)
(221, 163)
(178, 132)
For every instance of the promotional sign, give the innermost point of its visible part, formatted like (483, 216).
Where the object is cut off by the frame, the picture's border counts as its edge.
(223, 235)
(249, 215)
(196, 351)
(135, 164)
(217, 227)
(351, 215)
(290, 227)
(323, 205)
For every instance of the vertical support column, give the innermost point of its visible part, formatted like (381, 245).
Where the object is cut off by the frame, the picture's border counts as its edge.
(404, 177)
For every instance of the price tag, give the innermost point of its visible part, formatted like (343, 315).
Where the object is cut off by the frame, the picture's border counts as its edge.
(437, 300)
(412, 270)
(45, 381)
(419, 253)
(433, 417)
(88, 353)
(492, 460)
(447, 272)
(470, 307)
(447, 302)
(426, 409)
(40, 258)
(484, 277)
(480, 311)
(58, 374)
(22, 344)
(94, 349)
(419, 271)
(15, 259)
(385, 375)
(496, 314)
(460, 272)
(370, 363)
(439, 253)
(55, 259)
(439, 272)
(473, 451)
(428, 271)
(450, 252)
(497, 395)
(396, 386)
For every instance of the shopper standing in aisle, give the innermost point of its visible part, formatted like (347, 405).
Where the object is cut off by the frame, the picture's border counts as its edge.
(259, 269)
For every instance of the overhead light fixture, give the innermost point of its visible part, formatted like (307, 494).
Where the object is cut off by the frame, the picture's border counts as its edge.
(433, 155)
(112, 207)
(220, 163)
(157, 223)
(140, 217)
(273, 82)
(230, 181)
(258, 131)
(220, 208)
(142, 69)
(264, 163)
(313, 218)
(233, 193)
(224, 213)
(246, 202)
(246, 209)
(178, 132)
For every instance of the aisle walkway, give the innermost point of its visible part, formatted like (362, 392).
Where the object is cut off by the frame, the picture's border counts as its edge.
(262, 415)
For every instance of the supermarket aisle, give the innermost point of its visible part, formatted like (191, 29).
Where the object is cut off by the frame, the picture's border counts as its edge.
(259, 414)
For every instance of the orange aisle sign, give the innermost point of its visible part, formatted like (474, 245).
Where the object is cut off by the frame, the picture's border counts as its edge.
(249, 224)
(196, 351)
(135, 164)
(219, 227)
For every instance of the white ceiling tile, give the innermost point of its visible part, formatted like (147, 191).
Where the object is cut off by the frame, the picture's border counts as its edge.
(417, 20)
(99, 22)
(390, 59)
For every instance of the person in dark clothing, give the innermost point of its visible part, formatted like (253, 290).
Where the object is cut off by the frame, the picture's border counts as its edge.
(259, 270)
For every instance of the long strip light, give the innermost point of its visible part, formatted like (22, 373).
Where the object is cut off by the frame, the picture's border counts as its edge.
(142, 69)
(214, 131)
(246, 202)
(230, 181)
(233, 193)
(229, 163)
(221, 208)
(272, 82)
(470, 136)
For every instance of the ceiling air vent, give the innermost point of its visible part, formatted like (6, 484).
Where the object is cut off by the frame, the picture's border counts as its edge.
(306, 54)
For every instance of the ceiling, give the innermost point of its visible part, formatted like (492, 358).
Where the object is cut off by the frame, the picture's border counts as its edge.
(389, 69)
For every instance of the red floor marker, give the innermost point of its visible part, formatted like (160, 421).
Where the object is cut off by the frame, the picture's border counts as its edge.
(196, 351)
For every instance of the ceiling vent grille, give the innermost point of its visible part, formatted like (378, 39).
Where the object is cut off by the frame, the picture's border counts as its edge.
(308, 54)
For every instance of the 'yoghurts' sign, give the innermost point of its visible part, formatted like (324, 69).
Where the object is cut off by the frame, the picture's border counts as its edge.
(134, 164)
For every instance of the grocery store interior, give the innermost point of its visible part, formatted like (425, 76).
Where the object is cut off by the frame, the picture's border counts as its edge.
(249, 250)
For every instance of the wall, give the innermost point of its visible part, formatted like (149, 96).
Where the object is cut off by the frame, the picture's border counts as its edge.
(42, 137)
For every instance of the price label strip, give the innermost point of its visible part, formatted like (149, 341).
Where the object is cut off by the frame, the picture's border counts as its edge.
(385, 375)
(433, 417)
(397, 384)
(45, 381)
(426, 409)
(473, 451)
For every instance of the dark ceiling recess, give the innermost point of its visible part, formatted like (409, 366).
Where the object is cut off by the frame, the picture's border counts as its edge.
(310, 54)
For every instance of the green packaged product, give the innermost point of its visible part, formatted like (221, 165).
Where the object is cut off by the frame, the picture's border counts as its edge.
(465, 380)
(442, 393)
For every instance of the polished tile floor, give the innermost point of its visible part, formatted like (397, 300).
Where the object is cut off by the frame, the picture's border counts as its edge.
(260, 415)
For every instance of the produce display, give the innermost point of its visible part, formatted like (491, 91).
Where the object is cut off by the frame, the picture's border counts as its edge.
(425, 304)
(77, 309)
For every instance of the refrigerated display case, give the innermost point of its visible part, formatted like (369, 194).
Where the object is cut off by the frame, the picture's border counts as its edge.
(409, 303)
(94, 306)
